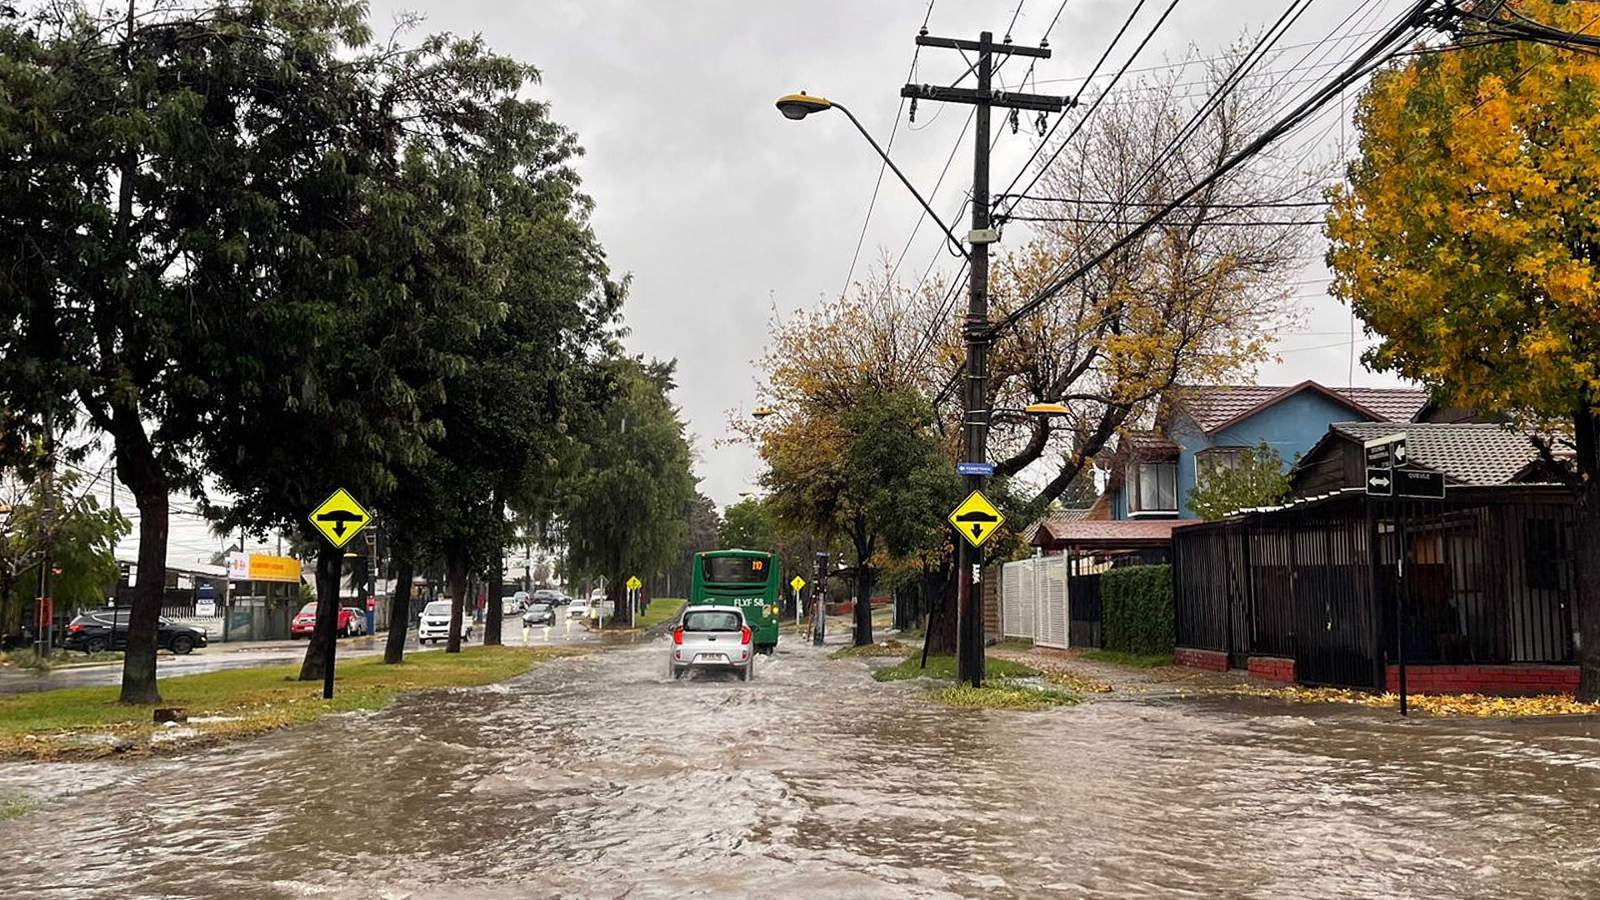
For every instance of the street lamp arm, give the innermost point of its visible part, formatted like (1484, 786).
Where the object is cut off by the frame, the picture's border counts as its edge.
(954, 241)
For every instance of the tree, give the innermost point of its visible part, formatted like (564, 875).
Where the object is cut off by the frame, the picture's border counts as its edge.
(748, 525)
(1465, 237)
(1257, 479)
(875, 474)
(703, 532)
(850, 360)
(622, 506)
(146, 157)
(376, 279)
(1194, 299)
(82, 536)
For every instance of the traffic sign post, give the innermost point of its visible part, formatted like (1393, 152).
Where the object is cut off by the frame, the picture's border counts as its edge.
(819, 601)
(338, 519)
(797, 583)
(633, 584)
(1389, 474)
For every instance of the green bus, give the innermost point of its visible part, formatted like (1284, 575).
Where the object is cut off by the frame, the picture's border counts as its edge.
(746, 579)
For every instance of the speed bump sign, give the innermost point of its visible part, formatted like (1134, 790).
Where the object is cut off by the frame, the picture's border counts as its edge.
(634, 583)
(797, 583)
(976, 518)
(340, 518)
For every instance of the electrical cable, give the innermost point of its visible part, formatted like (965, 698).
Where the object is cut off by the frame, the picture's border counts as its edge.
(884, 166)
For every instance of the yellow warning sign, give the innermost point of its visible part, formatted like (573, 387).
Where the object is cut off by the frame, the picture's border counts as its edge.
(976, 518)
(634, 583)
(797, 583)
(340, 518)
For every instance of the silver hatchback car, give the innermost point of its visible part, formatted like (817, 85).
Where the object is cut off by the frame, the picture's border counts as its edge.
(714, 637)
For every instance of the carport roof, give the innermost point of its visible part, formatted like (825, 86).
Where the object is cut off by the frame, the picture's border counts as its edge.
(1107, 534)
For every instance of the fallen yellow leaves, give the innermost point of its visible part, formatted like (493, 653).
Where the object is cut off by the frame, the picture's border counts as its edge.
(1081, 684)
(1469, 706)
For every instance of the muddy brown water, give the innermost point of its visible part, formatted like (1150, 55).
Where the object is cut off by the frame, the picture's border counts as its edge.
(600, 776)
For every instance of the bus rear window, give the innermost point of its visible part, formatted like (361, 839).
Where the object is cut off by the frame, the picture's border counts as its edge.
(735, 570)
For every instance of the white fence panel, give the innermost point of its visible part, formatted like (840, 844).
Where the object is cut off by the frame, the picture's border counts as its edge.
(1050, 622)
(1017, 600)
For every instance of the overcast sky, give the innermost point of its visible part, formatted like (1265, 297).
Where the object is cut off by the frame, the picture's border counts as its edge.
(725, 213)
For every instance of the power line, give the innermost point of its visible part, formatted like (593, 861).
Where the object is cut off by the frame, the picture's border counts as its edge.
(1409, 24)
(1073, 103)
(883, 166)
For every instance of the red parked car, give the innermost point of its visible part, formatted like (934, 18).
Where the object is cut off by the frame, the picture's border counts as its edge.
(305, 622)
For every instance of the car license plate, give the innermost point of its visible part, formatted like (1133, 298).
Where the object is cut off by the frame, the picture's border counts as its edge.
(714, 657)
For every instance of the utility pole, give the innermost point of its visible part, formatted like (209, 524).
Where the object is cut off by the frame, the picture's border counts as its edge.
(819, 601)
(976, 328)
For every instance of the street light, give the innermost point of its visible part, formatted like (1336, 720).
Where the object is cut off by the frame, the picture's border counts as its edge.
(761, 412)
(1046, 409)
(798, 106)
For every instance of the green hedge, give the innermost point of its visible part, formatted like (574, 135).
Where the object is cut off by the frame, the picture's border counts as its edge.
(1136, 609)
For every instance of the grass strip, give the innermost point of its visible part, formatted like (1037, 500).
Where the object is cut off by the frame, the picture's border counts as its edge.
(889, 647)
(238, 702)
(1002, 695)
(661, 610)
(1132, 660)
(944, 666)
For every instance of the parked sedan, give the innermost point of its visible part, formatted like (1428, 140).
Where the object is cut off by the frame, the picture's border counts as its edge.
(434, 625)
(95, 632)
(305, 621)
(539, 613)
(352, 621)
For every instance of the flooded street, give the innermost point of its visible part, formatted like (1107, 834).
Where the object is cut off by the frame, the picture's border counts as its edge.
(601, 776)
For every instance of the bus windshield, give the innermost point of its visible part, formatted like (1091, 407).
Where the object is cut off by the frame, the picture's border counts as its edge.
(735, 570)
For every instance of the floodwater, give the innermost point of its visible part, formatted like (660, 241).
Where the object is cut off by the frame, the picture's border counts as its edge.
(600, 776)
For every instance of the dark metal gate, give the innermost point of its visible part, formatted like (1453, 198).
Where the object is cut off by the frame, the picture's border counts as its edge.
(1489, 580)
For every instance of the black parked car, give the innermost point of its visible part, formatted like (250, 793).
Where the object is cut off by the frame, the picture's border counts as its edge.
(98, 631)
(540, 613)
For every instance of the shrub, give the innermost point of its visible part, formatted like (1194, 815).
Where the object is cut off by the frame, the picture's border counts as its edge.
(1136, 609)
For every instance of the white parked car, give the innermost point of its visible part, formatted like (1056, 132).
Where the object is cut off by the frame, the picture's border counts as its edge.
(714, 637)
(578, 609)
(513, 604)
(435, 623)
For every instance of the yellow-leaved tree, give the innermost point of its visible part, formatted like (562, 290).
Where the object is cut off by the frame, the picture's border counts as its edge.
(1467, 236)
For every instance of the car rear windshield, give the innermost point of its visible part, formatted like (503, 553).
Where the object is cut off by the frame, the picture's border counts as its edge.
(437, 608)
(308, 608)
(712, 620)
(735, 570)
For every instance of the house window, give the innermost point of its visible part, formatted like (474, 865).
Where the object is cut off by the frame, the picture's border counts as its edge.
(1155, 487)
(1216, 459)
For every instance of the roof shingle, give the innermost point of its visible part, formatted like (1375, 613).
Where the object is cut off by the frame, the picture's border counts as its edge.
(1213, 406)
(1474, 454)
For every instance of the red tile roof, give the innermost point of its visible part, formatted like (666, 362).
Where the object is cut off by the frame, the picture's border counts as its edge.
(1216, 406)
(1116, 534)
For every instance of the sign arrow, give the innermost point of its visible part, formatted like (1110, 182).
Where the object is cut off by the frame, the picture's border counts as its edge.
(1378, 481)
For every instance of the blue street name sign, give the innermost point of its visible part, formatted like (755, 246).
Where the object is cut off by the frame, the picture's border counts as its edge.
(972, 468)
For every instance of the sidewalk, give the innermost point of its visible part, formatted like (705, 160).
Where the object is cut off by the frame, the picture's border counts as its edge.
(1118, 679)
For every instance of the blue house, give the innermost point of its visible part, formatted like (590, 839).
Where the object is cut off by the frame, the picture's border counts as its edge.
(1202, 427)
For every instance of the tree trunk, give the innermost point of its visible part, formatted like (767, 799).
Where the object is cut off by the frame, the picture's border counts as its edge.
(138, 469)
(496, 612)
(1587, 554)
(394, 649)
(456, 571)
(330, 559)
(617, 596)
(939, 593)
(863, 634)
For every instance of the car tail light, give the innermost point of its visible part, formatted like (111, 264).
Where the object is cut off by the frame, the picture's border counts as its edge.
(744, 637)
(677, 635)
(75, 627)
